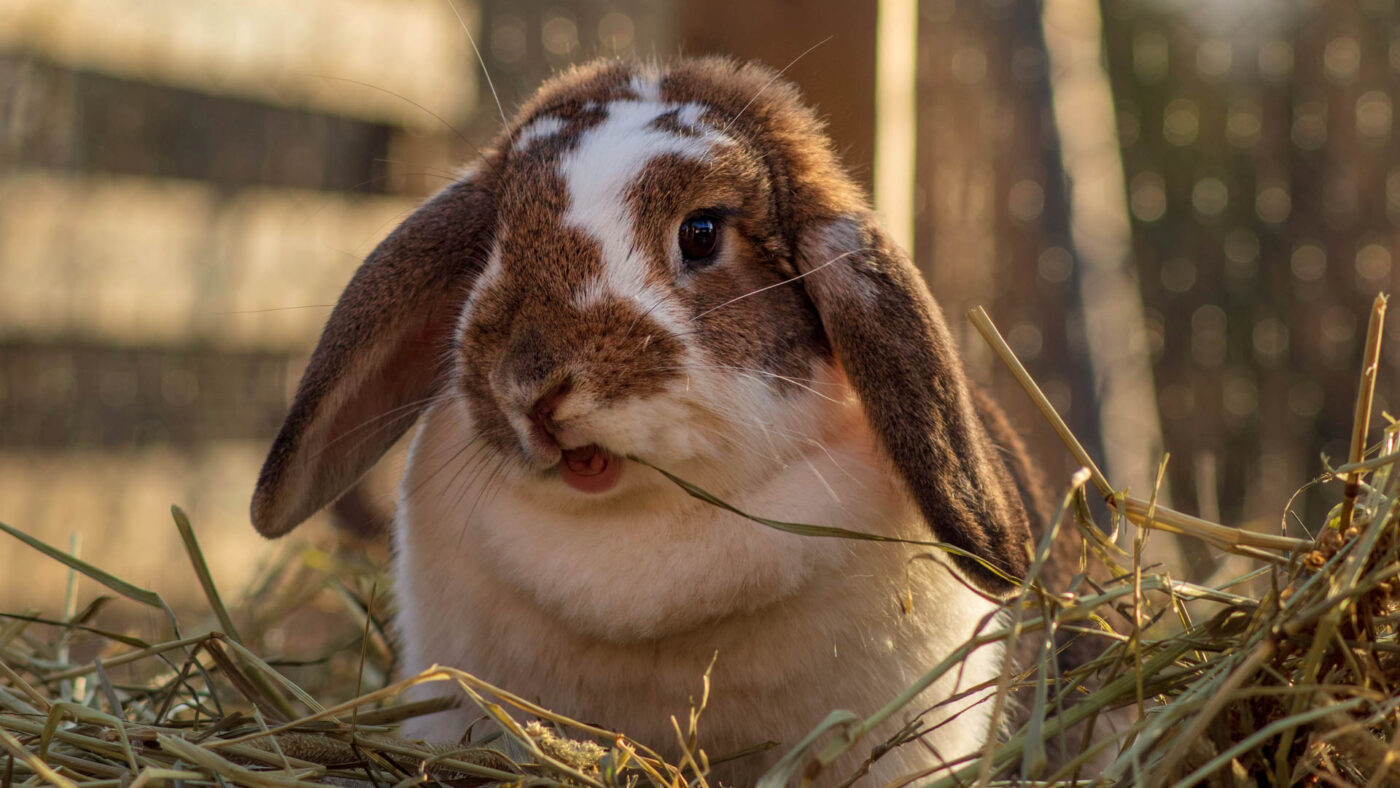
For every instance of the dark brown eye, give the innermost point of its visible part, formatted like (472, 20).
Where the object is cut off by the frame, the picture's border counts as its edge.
(698, 238)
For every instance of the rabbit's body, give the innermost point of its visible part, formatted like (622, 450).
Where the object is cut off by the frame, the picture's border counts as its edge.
(671, 266)
(612, 615)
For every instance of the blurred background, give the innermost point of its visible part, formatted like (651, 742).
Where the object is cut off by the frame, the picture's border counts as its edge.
(1177, 211)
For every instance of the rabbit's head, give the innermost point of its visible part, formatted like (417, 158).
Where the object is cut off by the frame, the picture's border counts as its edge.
(653, 264)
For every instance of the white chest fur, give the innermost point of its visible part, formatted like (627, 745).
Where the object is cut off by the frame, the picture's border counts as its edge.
(611, 614)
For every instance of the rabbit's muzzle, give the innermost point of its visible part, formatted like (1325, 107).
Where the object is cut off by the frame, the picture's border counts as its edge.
(558, 368)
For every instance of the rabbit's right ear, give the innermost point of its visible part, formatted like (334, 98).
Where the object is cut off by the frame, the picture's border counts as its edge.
(381, 359)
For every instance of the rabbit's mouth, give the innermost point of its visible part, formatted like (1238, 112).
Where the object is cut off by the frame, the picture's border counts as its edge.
(590, 469)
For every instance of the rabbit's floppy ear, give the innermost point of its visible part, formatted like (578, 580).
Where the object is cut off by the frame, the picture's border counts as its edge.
(382, 357)
(890, 337)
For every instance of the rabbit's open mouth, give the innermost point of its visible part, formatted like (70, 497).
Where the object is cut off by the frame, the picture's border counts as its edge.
(590, 468)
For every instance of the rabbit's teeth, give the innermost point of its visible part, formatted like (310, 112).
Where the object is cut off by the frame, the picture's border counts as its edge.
(585, 460)
(590, 469)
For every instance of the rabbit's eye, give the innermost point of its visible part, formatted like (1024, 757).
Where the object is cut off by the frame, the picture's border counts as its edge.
(698, 238)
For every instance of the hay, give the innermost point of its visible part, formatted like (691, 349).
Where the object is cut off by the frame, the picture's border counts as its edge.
(208, 709)
(1284, 675)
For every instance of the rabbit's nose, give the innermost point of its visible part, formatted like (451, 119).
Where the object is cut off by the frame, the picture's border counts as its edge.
(542, 412)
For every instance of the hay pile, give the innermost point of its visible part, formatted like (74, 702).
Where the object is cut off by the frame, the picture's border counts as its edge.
(1284, 675)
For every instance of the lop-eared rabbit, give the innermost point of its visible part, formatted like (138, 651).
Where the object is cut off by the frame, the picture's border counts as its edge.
(668, 267)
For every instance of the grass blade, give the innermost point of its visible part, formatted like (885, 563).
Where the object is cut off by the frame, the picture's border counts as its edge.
(823, 531)
(107, 579)
(201, 570)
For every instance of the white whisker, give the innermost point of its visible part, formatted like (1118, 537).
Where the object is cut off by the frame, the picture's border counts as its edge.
(770, 82)
(505, 124)
(384, 421)
(815, 472)
(753, 371)
(778, 284)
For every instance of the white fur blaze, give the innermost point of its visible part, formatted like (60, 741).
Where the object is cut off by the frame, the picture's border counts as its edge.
(597, 172)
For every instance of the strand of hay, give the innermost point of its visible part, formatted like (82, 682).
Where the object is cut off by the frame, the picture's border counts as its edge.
(1288, 673)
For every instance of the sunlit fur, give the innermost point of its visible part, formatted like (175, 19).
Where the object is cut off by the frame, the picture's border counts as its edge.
(609, 607)
(758, 374)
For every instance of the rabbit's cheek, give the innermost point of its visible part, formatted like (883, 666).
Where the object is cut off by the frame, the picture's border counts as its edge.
(657, 428)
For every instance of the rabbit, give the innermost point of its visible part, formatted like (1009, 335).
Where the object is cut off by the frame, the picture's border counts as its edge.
(667, 267)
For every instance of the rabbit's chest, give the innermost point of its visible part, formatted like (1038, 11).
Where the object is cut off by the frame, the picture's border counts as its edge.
(614, 620)
(648, 563)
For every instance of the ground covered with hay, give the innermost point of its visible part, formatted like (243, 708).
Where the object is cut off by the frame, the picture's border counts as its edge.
(1286, 674)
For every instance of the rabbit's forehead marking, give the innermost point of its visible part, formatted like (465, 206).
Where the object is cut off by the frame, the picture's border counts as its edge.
(599, 168)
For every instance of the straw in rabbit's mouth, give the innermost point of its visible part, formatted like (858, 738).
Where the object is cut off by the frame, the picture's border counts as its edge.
(590, 468)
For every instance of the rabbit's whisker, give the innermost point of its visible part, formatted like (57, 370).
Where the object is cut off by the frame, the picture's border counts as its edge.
(758, 374)
(485, 72)
(448, 462)
(455, 131)
(477, 462)
(738, 417)
(478, 459)
(489, 488)
(274, 309)
(742, 442)
(377, 422)
(639, 319)
(835, 496)
(752, 370)
(780, 284)
(770, 82)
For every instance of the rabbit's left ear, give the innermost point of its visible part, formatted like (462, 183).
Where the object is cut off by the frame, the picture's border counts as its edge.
(891, 338)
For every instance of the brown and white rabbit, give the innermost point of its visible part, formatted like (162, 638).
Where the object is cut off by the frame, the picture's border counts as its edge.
(667, 264)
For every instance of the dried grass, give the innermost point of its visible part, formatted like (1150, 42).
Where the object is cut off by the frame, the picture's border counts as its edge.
(1285, 675)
